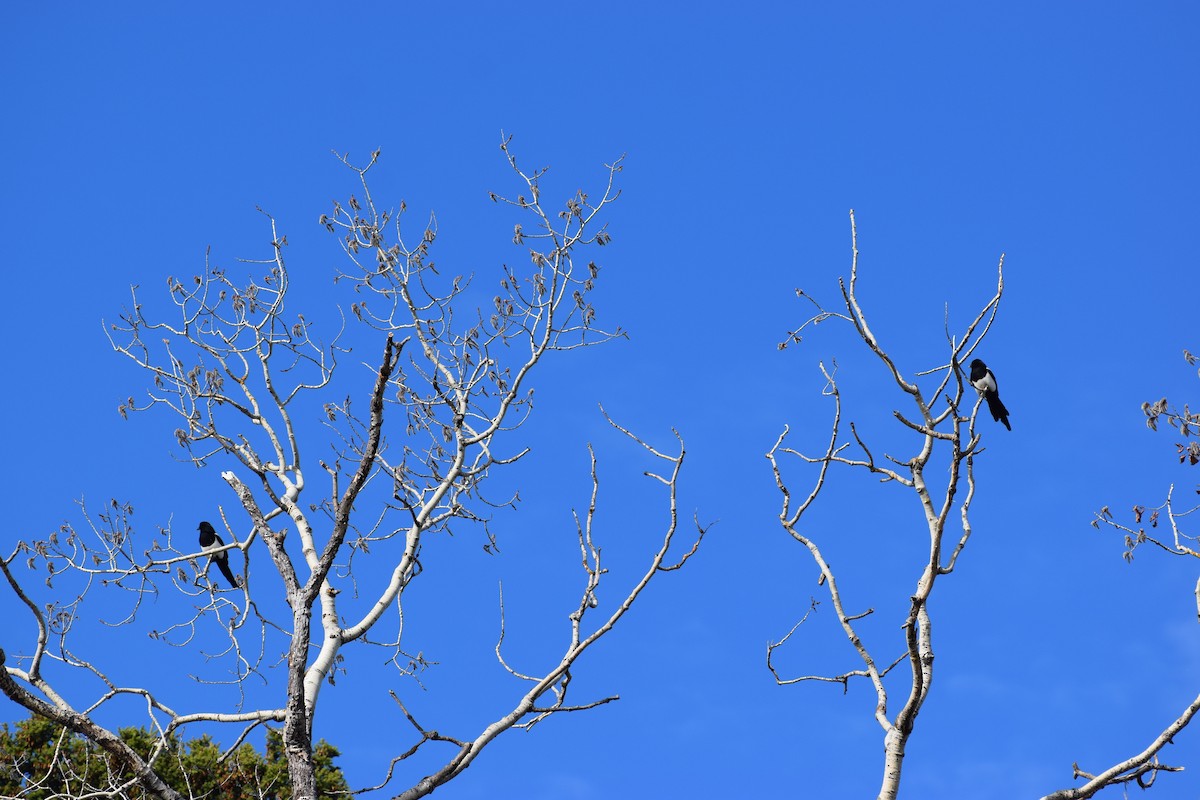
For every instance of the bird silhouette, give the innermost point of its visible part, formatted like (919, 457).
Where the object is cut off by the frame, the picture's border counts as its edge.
(984, 381)
(210, 541)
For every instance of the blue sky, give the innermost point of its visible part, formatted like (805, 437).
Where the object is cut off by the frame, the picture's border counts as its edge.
(138, 135)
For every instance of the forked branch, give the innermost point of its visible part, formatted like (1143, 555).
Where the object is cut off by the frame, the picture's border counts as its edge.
(554, 682)
(937, 426)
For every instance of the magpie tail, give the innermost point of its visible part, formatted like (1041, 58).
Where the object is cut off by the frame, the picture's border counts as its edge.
(223, 565)
(999, 412)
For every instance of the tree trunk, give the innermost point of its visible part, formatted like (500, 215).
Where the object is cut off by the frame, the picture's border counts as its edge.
(297, 728)
(893, 748)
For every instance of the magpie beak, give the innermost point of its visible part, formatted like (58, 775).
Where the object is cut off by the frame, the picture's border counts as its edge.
(209, 541)
(985, 382)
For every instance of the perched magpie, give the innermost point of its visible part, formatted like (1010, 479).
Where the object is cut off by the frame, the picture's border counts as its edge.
(983, 380)
(209, 541)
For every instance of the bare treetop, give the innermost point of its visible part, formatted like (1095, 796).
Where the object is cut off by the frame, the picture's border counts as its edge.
(941, 420)
(450, 386)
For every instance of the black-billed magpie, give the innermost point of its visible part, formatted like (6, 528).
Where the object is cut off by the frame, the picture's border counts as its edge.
(209, 541)
(984, 381)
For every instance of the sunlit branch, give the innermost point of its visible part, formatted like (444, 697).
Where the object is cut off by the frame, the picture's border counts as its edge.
(939, 428)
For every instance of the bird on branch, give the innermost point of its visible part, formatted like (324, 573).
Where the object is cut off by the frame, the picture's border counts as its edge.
(209, 542)
(985, 382)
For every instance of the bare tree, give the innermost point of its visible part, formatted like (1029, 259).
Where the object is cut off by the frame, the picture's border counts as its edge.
(941, 422)
(245, 379)
(1143, 529)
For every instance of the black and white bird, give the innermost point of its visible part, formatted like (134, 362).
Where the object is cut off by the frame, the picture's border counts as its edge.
(984, 381)
(210, 541)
